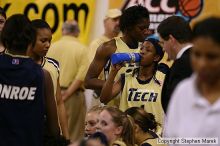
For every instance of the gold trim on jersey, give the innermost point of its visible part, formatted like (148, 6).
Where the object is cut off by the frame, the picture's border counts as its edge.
(13, 55)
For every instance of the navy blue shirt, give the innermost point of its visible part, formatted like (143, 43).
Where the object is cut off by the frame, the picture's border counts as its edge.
(21, 101)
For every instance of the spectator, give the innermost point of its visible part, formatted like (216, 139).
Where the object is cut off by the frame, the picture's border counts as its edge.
(111, 26)
(175, 36)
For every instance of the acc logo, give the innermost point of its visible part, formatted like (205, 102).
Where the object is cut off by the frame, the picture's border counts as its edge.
(161, 9)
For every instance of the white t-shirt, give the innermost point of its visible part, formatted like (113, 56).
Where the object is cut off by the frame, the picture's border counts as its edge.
(191, 115)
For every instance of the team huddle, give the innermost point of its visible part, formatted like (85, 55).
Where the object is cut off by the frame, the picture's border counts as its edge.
(171, 91)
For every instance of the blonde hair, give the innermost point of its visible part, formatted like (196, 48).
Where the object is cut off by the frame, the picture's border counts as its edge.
(121, 119)
(95, 108)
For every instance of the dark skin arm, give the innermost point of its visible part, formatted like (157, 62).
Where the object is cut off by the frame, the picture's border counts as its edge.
(110, 88)
(61, 111)
(51, 110)
(103, 53)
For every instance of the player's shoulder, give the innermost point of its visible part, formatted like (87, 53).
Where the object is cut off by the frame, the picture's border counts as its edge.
(107, 48)
(160, 74)
(111, 42)
(162, 67)
(54, 62)
(109, 45)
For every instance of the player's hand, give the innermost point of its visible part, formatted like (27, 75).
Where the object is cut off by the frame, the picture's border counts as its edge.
(117, 67)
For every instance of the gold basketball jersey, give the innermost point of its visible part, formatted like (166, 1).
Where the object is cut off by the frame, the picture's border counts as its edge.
(145, 94)
(128, 69)
(52, 67)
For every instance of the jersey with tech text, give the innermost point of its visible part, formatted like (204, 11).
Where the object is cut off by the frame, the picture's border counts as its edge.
(145, 94)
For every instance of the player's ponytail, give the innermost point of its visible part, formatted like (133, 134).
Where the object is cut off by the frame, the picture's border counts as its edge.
(128, 125)
(121, 119)
(146, 121)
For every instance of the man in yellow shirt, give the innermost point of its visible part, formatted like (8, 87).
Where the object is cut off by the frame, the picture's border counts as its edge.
(70, 54)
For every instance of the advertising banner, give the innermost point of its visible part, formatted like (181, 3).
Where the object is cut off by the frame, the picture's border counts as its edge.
(55, 12)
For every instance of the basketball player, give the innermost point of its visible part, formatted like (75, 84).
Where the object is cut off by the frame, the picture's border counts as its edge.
(143, 87)
(43, 41)
(25, 89)
(145, 127)
(134, 24)
(117, 127)
(72, 57)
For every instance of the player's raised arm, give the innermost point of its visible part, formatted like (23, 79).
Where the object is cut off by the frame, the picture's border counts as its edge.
(103, 53)
(110, 88)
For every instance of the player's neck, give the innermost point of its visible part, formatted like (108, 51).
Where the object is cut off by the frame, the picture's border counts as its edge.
(146, 72)
(130, 42)
(40, 61)
(37, 59)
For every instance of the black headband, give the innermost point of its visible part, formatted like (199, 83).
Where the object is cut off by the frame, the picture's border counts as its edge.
(155, 43)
